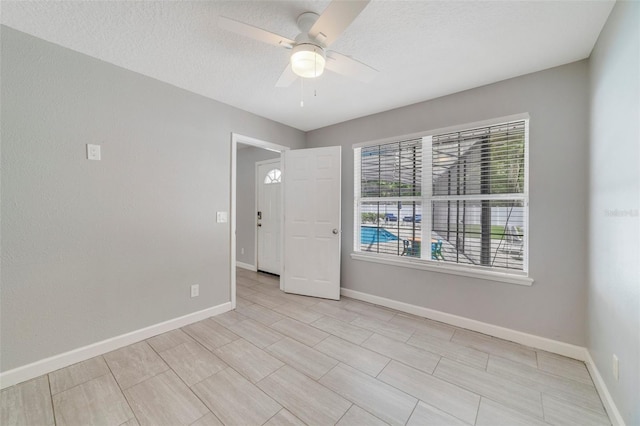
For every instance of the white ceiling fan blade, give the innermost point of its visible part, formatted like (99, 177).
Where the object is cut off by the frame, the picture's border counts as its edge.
(349, 67)
(254, 32)
(335, 19)
(287, 77)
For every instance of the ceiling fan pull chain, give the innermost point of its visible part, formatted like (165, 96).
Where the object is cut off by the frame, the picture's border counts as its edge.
(315, 72)
(301, 92)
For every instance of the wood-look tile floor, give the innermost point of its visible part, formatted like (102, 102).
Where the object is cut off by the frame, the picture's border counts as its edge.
(282, 359)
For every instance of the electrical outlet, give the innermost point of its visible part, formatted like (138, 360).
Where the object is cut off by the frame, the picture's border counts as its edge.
(93, 152)
(616, 367)
(242, 250)
(195, 290)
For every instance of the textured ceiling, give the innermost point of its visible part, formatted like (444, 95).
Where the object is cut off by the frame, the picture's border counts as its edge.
(422, 49)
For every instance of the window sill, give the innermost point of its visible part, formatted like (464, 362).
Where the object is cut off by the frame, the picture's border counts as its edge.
(434, 266)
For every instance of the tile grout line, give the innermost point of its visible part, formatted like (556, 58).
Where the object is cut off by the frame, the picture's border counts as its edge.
(383, 368)
(439, 378)
(377, 330)
(578, 382)
(483, 396)
(120, 387)
(384, 421)
(345, 413)
(352, 402)
(414, 410)
(475, 420)
(183, 382)
(380, 382)
(309, 347)
(451, 358)
(53, 408)
(85, 382)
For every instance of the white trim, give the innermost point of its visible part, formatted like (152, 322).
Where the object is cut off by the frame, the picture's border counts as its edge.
(232, 222)
(450, 129)
(427, 192)
(527, 229)
(53, 363)
(283, 191)
(391, 200)
(246, 266)
(434, 266)
(603, 391)
(531, 340)
(357, 215)
(474, 197)
(247, 140)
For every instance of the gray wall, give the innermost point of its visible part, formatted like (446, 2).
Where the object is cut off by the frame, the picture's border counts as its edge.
(614, 225)
(246, 201)
(554, 307)
(91, 250)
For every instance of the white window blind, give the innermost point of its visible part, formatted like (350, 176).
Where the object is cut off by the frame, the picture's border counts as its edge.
(389, 200)
(453, 197)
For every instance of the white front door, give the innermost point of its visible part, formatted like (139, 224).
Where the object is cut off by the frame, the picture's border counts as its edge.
(312, 222)
(268, 215)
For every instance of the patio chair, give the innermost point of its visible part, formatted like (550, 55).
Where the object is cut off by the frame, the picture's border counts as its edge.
(436, 250)
(514, 242)
(411, 248)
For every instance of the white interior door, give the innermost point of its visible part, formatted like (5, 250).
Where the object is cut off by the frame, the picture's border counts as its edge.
(269, 217)
(312, 222)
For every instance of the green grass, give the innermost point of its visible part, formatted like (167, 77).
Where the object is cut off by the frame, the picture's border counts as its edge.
(497, 231)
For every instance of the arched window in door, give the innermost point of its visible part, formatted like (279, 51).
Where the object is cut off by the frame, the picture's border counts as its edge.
(274, 176)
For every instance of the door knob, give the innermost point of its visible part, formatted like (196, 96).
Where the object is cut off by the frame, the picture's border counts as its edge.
(335, 231)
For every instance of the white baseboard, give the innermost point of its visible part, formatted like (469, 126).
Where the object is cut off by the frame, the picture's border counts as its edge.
(47, 365)
(531, 340)
(603, 391)
(246, 266)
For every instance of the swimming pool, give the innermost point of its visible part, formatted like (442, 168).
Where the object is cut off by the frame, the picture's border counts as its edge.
(372, 235)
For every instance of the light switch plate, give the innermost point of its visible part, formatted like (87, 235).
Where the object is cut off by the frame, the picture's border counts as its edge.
(221, 217)
(93, 152)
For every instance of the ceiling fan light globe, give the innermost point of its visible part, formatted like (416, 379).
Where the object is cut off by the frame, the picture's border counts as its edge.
(308, 61)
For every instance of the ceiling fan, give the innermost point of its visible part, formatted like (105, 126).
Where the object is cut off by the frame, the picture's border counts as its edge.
(309, 54)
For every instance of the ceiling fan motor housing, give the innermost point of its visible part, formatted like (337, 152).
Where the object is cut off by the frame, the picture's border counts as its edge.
(306, 20)
(308, 55)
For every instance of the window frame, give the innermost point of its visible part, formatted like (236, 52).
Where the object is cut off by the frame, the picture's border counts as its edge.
(426, 199)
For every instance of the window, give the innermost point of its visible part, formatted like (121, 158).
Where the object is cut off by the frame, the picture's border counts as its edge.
(454, 198)
(274, 176)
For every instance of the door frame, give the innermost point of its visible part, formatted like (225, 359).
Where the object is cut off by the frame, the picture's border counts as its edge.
(258, 143)
(255, 242)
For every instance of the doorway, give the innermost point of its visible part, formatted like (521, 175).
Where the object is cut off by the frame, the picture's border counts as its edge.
(310, 237)
(245, 152)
